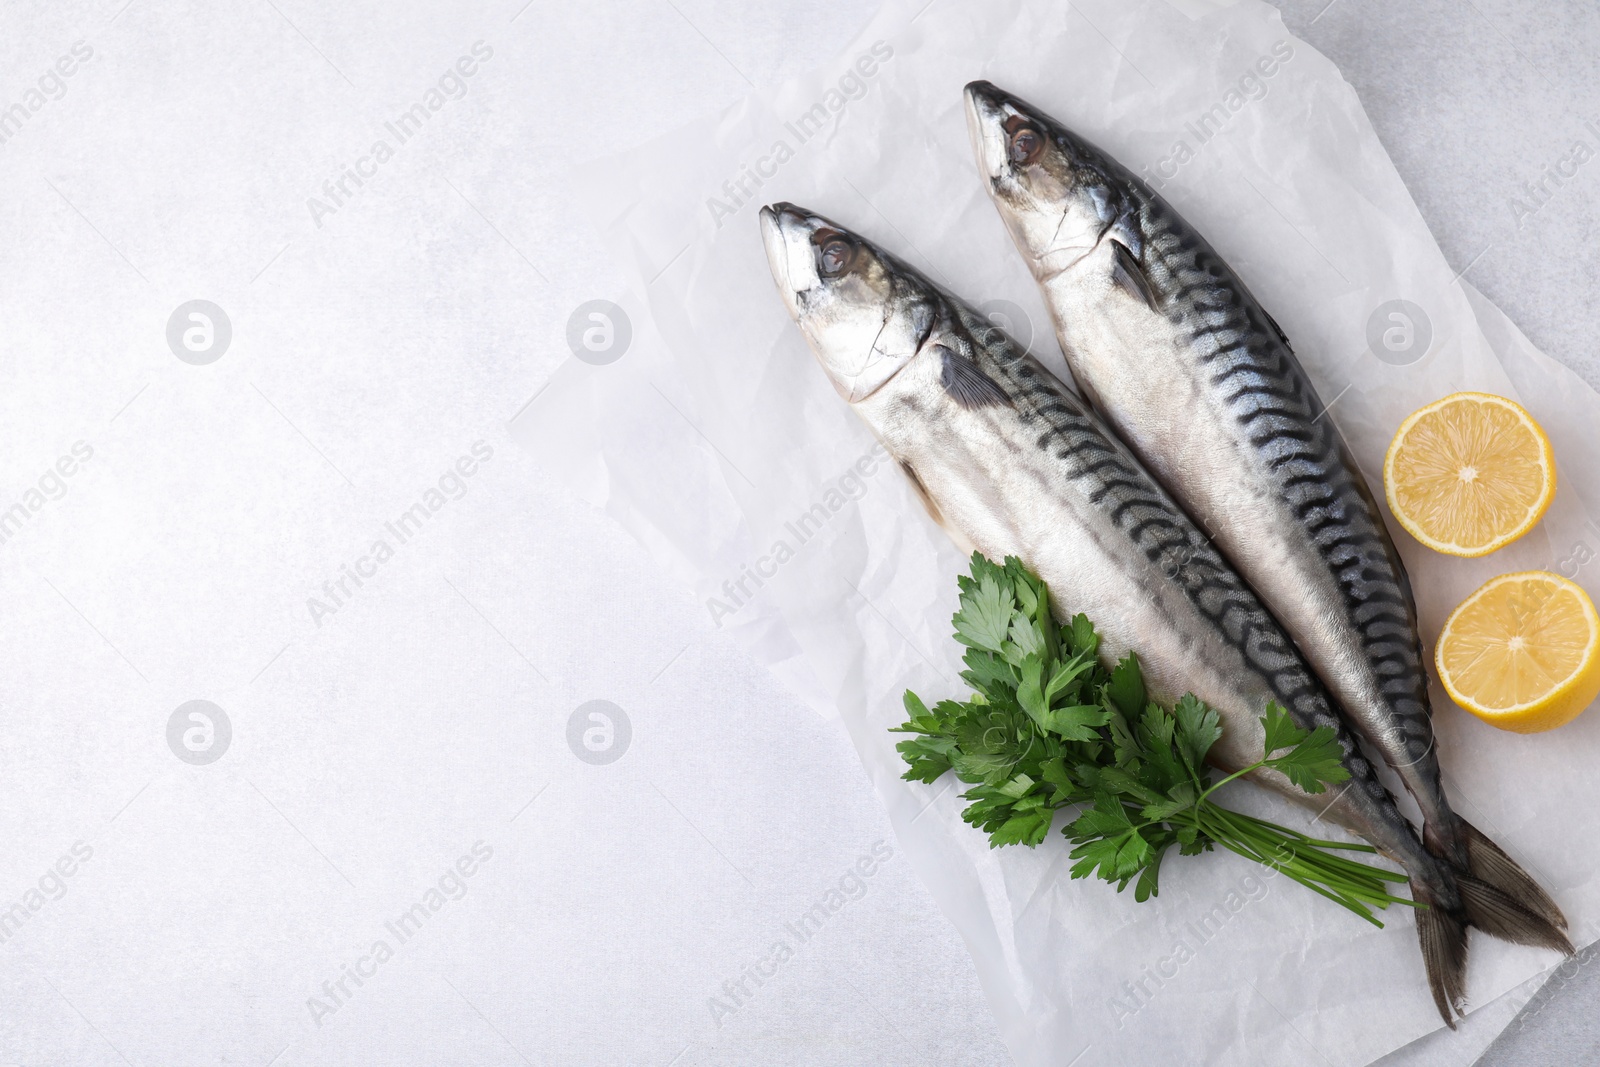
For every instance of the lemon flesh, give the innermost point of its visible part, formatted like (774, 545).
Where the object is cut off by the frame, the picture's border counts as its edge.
(1469, 474)
(1523, 652)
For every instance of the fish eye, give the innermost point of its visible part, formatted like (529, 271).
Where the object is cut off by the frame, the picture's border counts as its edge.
(1025, 145)
(835, 256)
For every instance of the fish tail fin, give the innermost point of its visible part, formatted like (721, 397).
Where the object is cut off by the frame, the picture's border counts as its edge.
(1442, 928)
(1501, 915)
(1443, 935)
(1488, 863)
(1469, 854)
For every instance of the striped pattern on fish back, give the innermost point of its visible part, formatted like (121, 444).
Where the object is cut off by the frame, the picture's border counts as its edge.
(1252, 367)
(1088, 453)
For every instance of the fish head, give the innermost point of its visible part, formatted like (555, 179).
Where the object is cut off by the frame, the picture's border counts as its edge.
(864, 315)
(1050, 186)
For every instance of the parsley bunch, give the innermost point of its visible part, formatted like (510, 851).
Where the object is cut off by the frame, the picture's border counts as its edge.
(1050, 727)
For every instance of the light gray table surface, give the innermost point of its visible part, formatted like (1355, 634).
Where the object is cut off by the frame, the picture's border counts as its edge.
(378, 731)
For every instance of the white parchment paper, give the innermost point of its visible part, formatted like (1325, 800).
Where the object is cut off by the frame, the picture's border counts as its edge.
(717, 441)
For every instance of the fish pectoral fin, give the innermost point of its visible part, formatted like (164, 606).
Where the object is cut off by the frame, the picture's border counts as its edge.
(1127, 274)
(922, 493)
(965, 383)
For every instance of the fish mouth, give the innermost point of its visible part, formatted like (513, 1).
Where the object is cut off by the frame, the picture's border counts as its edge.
(990, 113)
(788, 231)
(778, 222)
(986, 116)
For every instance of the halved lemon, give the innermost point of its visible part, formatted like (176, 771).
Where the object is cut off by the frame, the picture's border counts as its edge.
(1523, 652)
(1469, 474)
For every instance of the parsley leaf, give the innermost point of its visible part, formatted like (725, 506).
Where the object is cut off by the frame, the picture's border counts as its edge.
(1198, 729)
(1125, 688)
(1050, 728)
(1281, 731)
(984, 620)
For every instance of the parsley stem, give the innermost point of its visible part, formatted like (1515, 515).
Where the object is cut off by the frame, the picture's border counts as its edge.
(1348, 882)
(1236, 774)
(1354, 867)
(1306, 860)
